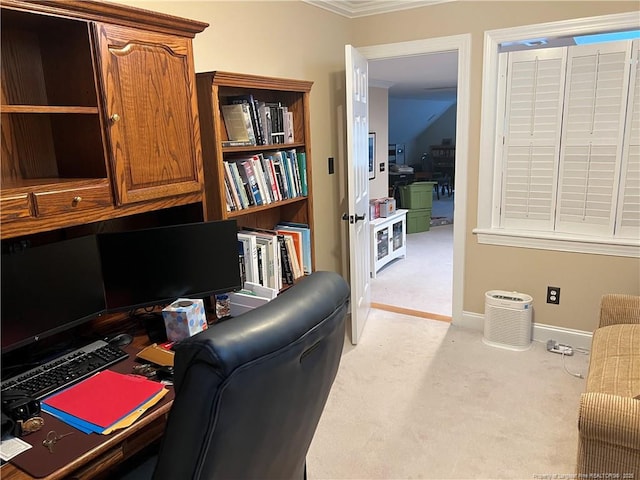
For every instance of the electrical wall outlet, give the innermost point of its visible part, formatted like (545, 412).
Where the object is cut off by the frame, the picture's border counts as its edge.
(553, 295)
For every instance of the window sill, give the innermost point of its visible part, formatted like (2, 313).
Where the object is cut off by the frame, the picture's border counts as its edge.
(559, 242)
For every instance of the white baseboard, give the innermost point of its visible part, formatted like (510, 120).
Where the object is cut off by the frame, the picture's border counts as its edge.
(541, 332)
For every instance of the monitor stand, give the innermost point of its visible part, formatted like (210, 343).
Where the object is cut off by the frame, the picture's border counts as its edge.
(154, 326)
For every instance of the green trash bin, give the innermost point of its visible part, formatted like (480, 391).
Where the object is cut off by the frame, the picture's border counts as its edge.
(417, 195)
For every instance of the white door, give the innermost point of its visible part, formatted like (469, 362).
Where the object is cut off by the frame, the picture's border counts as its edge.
(357, 93)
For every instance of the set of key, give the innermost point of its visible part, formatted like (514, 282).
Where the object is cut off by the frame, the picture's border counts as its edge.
(52, 439)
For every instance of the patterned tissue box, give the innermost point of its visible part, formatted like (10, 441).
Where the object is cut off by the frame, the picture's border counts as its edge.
(183, 318)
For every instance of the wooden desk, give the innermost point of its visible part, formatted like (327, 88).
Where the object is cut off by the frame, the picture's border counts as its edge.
(107, 450)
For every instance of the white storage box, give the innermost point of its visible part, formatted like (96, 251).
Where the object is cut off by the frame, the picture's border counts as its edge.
(256, 296)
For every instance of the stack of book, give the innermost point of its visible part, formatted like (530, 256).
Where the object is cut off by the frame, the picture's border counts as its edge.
(252, 122)
(274, 258)
(104, 402)
(264, 178)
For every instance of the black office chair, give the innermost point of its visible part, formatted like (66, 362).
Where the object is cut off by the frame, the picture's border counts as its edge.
(250, 390)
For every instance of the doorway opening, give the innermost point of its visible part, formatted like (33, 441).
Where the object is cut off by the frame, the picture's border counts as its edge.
(461, 45)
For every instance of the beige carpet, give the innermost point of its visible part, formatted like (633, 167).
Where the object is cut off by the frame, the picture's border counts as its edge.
(422, 281)
(419, 398)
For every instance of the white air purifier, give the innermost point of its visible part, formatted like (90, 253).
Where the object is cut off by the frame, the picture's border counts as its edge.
(507, 320)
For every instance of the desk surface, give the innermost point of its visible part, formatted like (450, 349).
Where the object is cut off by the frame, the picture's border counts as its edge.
(85, 456)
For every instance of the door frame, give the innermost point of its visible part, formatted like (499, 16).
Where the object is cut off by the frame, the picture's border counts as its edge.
(462, 45)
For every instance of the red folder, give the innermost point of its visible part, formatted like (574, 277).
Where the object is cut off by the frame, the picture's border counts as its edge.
(105, 398)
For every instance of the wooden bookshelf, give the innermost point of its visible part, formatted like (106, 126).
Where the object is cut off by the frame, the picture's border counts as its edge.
(214, 90)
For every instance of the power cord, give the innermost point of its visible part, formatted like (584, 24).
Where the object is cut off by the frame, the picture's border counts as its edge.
(577, 375)
(565, 350)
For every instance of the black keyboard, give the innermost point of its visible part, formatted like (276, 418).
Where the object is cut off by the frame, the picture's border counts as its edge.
(66, 370)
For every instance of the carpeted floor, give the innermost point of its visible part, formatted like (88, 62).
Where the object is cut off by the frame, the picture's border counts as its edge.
(419, 398)
(423, 280)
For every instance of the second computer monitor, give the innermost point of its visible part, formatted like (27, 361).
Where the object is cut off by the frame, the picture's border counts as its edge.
(155, 266)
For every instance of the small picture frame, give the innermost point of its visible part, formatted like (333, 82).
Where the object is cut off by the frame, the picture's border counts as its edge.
(372, 155)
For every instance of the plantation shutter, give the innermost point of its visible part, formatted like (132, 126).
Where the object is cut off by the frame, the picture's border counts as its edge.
(592, 135)
(532, 125)
(628, 221)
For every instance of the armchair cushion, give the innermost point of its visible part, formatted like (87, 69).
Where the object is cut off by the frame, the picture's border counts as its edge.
(614, 366)
(609, 413)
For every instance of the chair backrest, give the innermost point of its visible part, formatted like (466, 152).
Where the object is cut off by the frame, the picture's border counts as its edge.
(250, 390)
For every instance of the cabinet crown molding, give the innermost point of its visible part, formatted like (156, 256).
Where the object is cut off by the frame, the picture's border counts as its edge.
(112, 13)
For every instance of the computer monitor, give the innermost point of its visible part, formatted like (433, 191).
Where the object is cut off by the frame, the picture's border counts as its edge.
(49, 289)
(154, 266)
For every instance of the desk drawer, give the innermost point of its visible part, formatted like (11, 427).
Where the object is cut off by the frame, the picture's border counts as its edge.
(15, 207)
(73, 200)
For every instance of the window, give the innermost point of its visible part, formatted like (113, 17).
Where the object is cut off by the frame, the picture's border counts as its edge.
(560, 157)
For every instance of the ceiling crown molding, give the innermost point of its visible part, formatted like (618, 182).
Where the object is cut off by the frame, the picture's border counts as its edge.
(363, 8)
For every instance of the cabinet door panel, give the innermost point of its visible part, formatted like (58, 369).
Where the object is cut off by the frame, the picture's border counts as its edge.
(151, 111)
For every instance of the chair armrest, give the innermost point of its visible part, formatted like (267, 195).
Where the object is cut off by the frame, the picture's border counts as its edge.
(619, 308)
(610, 418)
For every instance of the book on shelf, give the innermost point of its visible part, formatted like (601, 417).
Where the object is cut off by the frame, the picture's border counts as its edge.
(265, 177)
(262, 263)
(237, 122)
(236, 143)
(241, 262)
(277, 123)
(255, 121)
(231, 206)
(293, 257)
(250, 249)
(240, 184)
(304, 229)
(269, 175)
(285, 276)
(277, 162)
(286, 262)
(302, 166)
(269, 238)
(234, 188)
(270, 257)
(245, 168)
(267, 245)
(288, 127)
(293, 158)
(289, 175)
(264, 114)
(265, 190)
(296, 237)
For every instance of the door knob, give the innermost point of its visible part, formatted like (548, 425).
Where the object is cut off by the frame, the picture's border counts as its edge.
(359, 217)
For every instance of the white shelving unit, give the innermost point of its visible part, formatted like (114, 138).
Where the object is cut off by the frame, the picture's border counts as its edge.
(388, 240)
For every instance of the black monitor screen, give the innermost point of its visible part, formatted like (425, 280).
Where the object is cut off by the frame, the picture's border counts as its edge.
(157, 265)
(49, 289)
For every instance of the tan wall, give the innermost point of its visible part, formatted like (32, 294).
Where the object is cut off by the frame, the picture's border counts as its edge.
(582, 278)
(310, 46)
(379, 123)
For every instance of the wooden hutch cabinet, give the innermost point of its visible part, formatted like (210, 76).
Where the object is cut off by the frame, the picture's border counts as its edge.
(99, 114)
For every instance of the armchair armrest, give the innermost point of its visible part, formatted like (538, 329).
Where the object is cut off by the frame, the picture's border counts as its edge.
(619, 308)
(610, 418)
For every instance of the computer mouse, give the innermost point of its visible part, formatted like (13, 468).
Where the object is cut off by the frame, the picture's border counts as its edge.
(121, 340)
